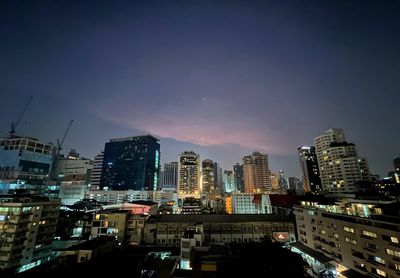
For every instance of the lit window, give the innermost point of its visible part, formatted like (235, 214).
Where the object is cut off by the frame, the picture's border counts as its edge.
(392, 252)
(394, 239)
(348, 229)
(381, 273)
(369, 234)
(351, 240)
(379, 260)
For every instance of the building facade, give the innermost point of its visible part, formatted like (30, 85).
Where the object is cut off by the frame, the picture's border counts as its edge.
(257, 176)
(170, 176)
(131, 163)
(27, 227)
(357, 235)
(309, 169)
(340, 167)
(208, 178)
(242, 203)
(189, 175)
(96, 172)
(238, 176)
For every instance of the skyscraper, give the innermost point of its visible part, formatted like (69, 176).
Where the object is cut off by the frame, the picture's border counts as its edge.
(208, 177)
(283, 186)
(131, 163)
(257, 176)
(170, 176)
(189, 175)
(238, 176)
(309, 169)
(340, 167)
(219, 183)
(295, 184)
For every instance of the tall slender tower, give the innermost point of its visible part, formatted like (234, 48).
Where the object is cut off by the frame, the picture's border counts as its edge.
(170, 176)
(309, 169)
(208, 177)
(257, 176)
(189, 175)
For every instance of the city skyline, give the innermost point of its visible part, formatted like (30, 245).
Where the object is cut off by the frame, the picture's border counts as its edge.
(221, 79)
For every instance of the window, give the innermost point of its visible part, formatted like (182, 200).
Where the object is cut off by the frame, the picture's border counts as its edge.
(381, 273)
(397, 267)
(394, 239)
(392, 252)
(348, 229)
(379, 260)
(351, 240)
(369, 234)
(335, 235)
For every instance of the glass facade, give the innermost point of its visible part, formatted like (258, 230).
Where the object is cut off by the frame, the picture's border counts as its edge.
(131, 163)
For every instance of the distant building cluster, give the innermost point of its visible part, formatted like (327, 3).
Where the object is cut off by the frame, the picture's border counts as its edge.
(339, 217)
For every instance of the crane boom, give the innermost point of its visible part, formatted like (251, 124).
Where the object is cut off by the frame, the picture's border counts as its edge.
(60, 143)
(16, 123)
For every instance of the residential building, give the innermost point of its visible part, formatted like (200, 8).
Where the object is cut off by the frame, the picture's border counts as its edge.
(27, 227)
(340, 167)
(357, 235)
(208, 178)
(248, 203)
(257, 176)
(189, 175)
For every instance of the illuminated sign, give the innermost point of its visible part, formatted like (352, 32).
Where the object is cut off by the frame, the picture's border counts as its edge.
(281, 236)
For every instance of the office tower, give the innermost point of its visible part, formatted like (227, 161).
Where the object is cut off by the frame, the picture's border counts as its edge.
(131, 163)
(219, 181)
(25, 158)
(238, 176)
(170, 176)
(257, 176)
(96, 172)
(27, 228)
(189, 175)
(309, 169)
(295, 184)
(340, 167)
(229, 181)
(208, 178)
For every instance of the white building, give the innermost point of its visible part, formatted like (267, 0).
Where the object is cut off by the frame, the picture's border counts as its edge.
(357, 235)
(246, 203)
(340, 167)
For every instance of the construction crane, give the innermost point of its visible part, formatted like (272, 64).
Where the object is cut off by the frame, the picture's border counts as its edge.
(60, 143)
(15, 124)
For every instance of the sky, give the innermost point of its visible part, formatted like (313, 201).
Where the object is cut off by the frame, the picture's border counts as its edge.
(222, 78)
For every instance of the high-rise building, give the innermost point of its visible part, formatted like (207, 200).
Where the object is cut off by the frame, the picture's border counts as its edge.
(27, 227)
(309, 169)
(170, 176)
(229, 181)
(131, 163)
(340, 167)
(218, 177)
(76, 169)
(208, 178)
(189, 175)
(238, 176)
(257, 176)
(96, 172)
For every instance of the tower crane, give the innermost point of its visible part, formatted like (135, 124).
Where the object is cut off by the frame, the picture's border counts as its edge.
(60, 143)
(15, 124)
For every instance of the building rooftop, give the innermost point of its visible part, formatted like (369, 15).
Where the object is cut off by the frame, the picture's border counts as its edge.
(315, 254)
(91, 244)
(221, 218)
(131, 138)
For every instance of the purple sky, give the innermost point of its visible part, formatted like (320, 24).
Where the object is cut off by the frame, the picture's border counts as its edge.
(223, 78)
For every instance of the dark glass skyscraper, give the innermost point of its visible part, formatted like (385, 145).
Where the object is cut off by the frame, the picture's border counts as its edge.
(238, 176)
(309, 169)
(131, 163)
